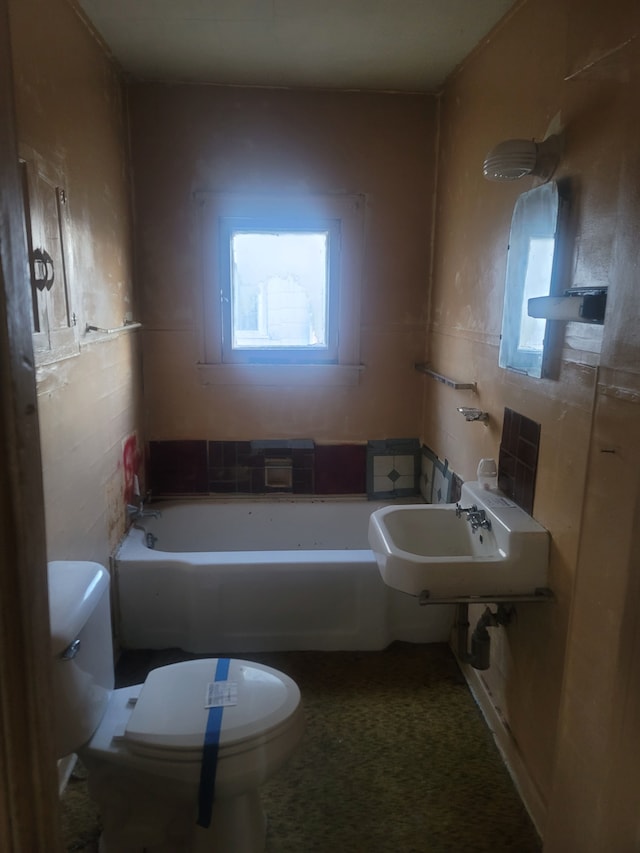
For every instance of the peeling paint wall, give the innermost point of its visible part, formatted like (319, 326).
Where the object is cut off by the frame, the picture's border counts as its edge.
(564, 675)
(233, 140)
(563, 710)
(70, 111)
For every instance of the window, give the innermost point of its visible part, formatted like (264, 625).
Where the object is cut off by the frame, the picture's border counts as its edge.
(281, 288)
(280, 291)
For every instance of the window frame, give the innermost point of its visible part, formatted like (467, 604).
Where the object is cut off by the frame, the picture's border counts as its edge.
(346, 209)
(287, 354)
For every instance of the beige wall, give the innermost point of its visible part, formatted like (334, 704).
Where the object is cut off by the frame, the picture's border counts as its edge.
(565, 674)
(70, 111)
(188, 138)
(594, 803)
(514, 86)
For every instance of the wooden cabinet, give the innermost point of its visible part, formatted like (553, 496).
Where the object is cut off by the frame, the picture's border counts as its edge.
(46, 220)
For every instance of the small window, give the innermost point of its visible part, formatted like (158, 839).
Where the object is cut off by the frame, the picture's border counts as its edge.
(281, 288)
(280, 291)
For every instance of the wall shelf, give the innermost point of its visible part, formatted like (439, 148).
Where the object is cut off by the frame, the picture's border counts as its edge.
(451, 383)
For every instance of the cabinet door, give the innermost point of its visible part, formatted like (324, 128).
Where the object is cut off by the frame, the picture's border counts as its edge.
(45, 204)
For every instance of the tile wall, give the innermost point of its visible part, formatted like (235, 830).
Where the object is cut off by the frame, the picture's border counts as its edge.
(517, 465)
(378, 469)
(393, 468)
(381, 470)
(436, 479)
(518, 459)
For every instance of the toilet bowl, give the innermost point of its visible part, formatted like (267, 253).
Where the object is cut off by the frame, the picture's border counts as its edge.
(168, 773)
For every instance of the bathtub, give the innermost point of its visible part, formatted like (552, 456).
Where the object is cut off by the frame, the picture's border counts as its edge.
(250, 576)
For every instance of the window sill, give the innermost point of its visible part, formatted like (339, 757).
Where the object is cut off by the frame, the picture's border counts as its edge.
(280, 374)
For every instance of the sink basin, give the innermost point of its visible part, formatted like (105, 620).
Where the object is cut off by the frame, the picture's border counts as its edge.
(433, 552)
(434, 533)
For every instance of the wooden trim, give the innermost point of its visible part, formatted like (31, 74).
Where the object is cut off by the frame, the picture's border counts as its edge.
(514, 762)
(28, 786)
(307, 375)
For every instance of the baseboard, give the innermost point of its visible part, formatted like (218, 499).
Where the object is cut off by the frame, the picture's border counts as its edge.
(65, 769)
(528, 791)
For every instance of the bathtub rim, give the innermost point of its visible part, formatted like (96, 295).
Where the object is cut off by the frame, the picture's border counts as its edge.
(135, 534)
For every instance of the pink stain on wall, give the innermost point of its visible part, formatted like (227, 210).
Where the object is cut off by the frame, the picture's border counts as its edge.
(131, 458)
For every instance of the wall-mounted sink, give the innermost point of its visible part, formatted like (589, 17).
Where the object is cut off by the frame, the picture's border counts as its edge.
(484, 547)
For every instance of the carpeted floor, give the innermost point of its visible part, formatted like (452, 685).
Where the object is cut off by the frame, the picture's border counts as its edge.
(396, 759)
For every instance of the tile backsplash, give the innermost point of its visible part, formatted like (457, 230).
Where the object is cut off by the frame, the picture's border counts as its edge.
(260, 467)
(518, 460)
(382, 469)
(517, 466)
(435, 477)
(177, 467)
(393, 468)
(378, 469)
(340, 469)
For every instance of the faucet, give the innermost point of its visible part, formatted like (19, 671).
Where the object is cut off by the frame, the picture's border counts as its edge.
(467, 509)
(135, 513)
(476, 517)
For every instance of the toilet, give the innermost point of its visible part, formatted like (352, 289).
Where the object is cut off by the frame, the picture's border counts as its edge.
(174, 764)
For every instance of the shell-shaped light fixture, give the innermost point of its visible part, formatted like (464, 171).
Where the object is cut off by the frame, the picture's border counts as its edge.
(517, 158)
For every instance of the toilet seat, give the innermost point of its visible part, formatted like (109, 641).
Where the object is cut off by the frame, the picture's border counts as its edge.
(169, 719)
(159, 778)
(144, 761)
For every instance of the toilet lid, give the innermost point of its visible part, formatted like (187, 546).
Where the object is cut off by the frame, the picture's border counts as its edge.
(170, 713)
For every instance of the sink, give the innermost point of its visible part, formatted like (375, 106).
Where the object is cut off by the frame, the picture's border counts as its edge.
(434, 531)
(434, 552)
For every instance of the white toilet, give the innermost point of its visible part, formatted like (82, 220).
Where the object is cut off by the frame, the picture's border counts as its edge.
(143, 746)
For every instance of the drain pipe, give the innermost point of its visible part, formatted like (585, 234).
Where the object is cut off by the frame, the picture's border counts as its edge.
(480, 654)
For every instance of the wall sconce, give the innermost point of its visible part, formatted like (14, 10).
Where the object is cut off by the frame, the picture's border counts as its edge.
(517, 158)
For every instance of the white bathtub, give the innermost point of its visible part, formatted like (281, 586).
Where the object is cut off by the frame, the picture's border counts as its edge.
(249, 576)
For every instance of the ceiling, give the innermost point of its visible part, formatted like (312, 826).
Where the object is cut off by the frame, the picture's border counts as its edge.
(396, 45)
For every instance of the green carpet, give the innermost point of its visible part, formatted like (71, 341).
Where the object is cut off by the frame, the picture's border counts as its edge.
(396, 759)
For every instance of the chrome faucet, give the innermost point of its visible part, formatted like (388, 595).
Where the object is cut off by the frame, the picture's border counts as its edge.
(479, 519)
(476, 517)
(467, 509)
(135, 513)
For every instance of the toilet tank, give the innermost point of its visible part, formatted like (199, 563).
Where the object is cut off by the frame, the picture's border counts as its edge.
(81, 645)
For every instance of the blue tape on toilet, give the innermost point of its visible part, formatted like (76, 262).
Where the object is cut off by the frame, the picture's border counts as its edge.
(210, 752)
